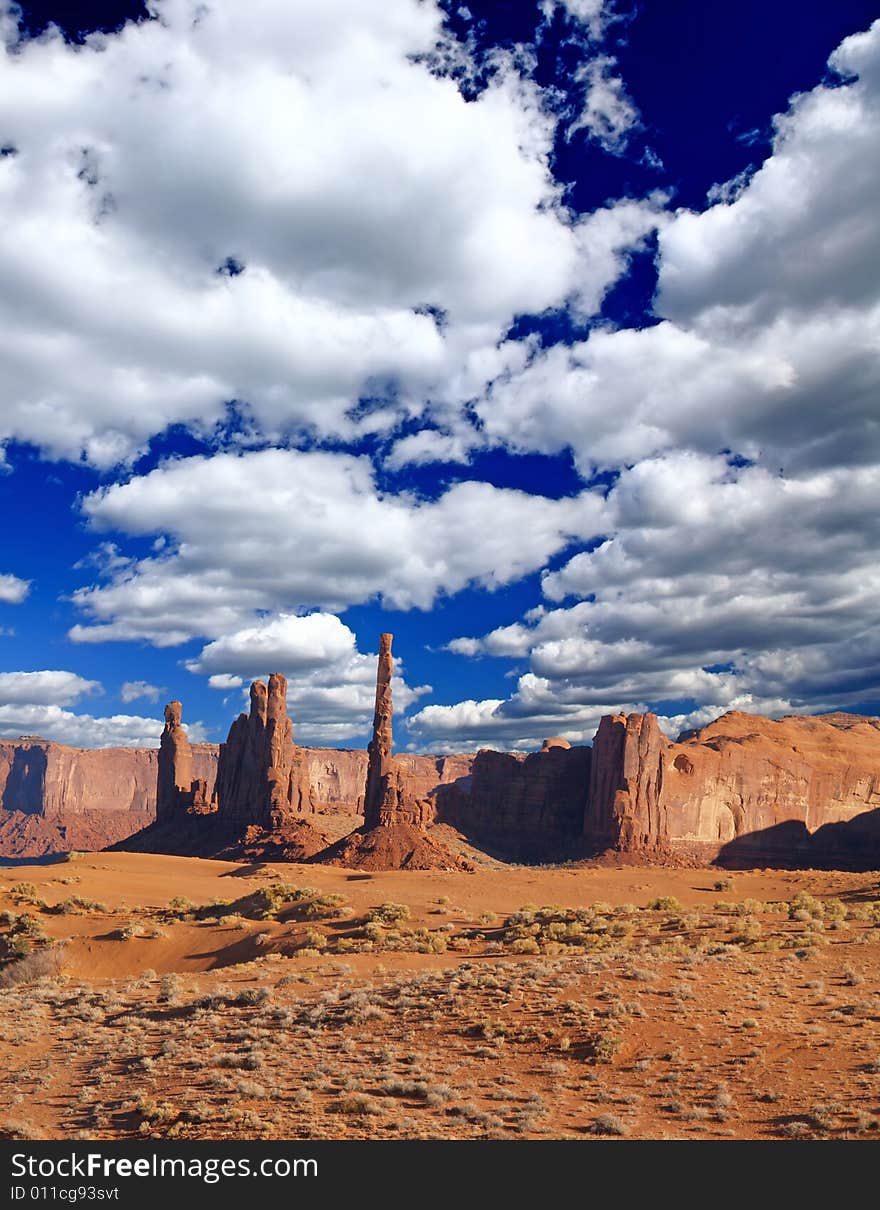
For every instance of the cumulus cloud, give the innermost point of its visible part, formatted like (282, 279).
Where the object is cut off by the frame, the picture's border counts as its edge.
(331, 685)
(283, 530)
(608, 114)
(740, 542)
(33, 703)
(84, 730)
(49, 687)
(225, 680)
(299, 211)
(132, 690)
(13, 590)
(268, 205)
(769, 307)
(720, 584)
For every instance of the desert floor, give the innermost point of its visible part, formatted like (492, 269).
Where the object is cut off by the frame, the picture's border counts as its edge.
(173, 997)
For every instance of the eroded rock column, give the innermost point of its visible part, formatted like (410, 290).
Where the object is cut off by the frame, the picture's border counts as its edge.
(261, 777)
(174, 764)
(380, 762)
(624, 808)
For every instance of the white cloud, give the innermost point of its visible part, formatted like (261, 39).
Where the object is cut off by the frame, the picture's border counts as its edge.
(33, 703)
(13, 590)
(608, 114)
(84, 730)
(282, 530)
(223, 680)
(132, 690)
(389, 232)
(771, 314)
(319, 151)
(331, 685)
(733, 586)
(722, 584)
(593, 14)
(49, 687)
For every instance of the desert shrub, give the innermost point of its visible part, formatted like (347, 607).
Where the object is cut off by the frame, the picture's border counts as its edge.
(524, 945)
(609, 1123)
(665, 903)
(325, 906)
(41, 964)
(19, 1128)
(25, 890)
(359, 1104)
(77, 905)
(170, 987)
(389, 913)
(604, 1047)
(805, 906)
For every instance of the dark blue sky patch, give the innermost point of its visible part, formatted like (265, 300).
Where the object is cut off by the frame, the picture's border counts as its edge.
(230, 267)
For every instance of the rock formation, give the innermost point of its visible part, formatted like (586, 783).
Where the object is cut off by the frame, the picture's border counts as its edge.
(744, 789)
(398, 806)
(261, 775)
(336, 778)
(380, 792)
(527, 806)
(623, 807)
(174, 781)
(734, 784)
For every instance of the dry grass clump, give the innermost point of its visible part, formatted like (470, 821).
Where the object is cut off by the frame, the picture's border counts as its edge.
(32, 967)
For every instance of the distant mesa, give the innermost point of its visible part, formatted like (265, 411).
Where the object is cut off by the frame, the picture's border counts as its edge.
(743, 790)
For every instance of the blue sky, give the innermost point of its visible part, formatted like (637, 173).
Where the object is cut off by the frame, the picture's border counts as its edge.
(544, 335)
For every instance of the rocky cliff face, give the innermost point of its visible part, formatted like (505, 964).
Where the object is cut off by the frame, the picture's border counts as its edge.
(623, 806)
(743, 790)
(742, 777)
(336, 777)
(54, 798)
(744, 787)
(530, 807)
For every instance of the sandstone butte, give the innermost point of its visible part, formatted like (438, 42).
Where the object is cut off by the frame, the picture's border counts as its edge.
(743, 791)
